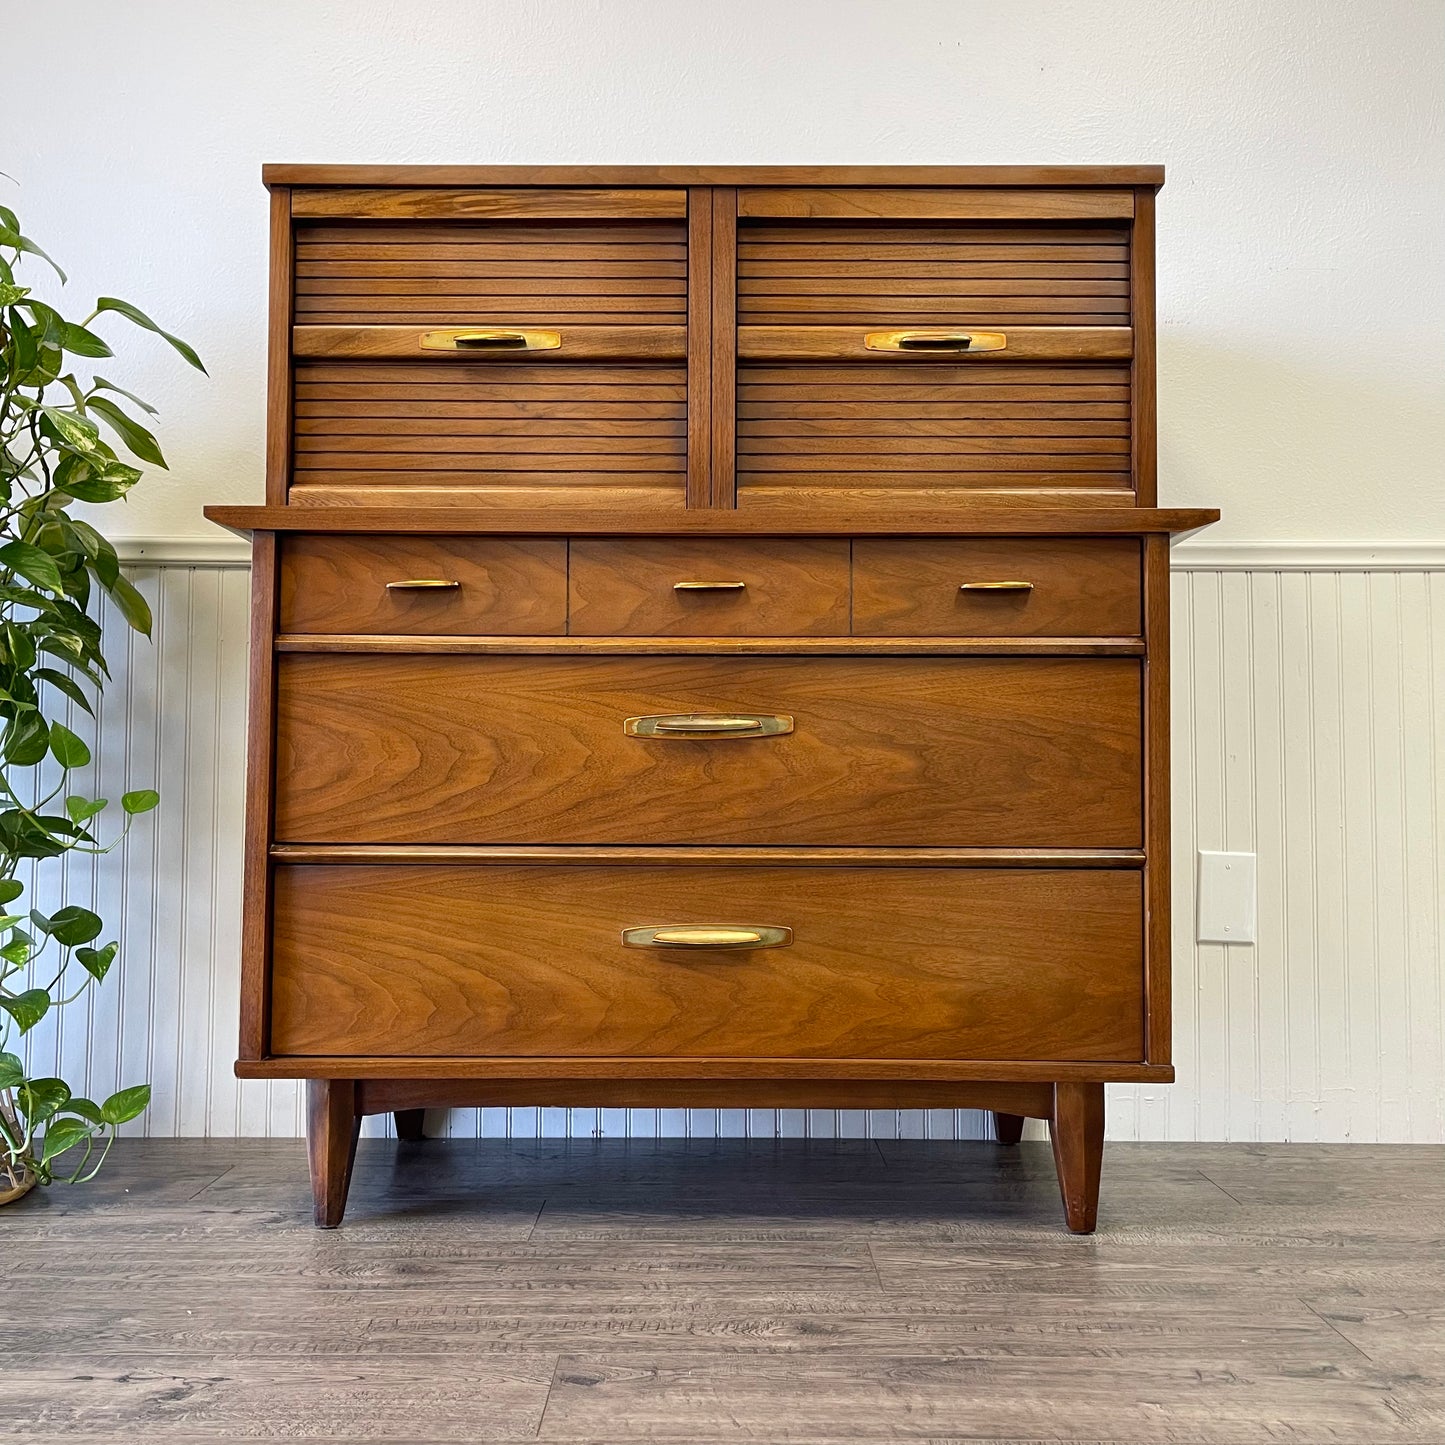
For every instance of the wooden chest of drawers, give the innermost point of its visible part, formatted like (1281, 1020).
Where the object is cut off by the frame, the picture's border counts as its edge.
(710, 646)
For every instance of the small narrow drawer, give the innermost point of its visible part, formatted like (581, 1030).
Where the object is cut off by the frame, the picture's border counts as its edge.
(997, 587)
(424, 585)
(666, 587)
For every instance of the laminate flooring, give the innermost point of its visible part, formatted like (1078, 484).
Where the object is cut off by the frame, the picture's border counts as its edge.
(729, 1290)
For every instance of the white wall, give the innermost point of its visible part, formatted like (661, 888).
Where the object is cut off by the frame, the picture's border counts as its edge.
(1301, 290)
(1302, 320)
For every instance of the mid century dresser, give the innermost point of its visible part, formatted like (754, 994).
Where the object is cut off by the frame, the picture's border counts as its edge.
(710, 646)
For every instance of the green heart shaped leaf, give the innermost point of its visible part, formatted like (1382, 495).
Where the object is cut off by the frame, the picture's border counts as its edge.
(142, 800)
(126, 1104)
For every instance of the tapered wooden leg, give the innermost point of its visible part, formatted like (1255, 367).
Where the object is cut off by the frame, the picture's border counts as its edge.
(1008, 1128)
(332, 1126)
(410, 1125)
(1077, 1130)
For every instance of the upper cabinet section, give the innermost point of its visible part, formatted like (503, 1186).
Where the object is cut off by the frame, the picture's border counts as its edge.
(507, 346)
(787, 341)
(937, 344)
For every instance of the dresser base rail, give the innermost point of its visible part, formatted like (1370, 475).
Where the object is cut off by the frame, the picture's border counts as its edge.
(1074, 1111)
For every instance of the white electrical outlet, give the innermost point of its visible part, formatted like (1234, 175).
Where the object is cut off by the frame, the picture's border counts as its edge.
(1226, 898)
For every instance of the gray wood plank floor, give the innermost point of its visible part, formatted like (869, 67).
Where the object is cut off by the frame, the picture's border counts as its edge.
(724, 1291)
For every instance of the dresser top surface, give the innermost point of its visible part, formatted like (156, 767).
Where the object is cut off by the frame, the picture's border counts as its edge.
(706, 522)
(291, 174)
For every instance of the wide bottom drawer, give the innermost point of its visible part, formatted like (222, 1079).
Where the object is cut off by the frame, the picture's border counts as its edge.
(529, 961)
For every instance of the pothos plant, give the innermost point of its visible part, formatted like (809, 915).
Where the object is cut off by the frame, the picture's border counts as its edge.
(54, 569)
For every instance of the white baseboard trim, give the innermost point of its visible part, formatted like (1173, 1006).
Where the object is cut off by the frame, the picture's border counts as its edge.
(1387, 556)
(1427, 556)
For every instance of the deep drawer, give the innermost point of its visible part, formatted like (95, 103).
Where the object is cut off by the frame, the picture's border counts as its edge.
(997, 587)
(880, 751)
(417, 585)
(670, 587)
(984, 964)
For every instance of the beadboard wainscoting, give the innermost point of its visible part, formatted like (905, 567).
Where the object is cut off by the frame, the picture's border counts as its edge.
(1309, 727)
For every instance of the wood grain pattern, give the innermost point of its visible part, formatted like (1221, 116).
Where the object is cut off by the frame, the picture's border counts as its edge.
(662, 343)
(904, 520)
(700, 269)
(506, 585)
(792, 587)
(311, 174)
(1028, 752)
(983, 274)
(982, 203)
(710, 857)
(478, 431)
(492, 273)
(381, 1096)
(279, 300)
(1076, 1130)
(981, 964)
(568, 203)
(333, 1124)
(1081, 586)
(1158, 984)
(1041, 433)
(724, 347)
(1143, 376)
(717, 646)
(843, 1072)
(1026, 343)
(260, 764)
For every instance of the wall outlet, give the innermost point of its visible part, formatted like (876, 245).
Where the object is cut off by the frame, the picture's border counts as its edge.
(1226, 898)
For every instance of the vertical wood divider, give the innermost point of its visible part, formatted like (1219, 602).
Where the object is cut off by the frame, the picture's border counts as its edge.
(724, 346)
(278, 369)
(1158, 1045)
(256, 881)
(1143, 404)
(699, 346)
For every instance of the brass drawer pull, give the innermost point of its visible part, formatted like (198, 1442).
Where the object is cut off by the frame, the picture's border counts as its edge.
(708, 725)
(995, 586)
(473, 340)
(423, 584)
(935, 341)
(711, 935)
(708, 586)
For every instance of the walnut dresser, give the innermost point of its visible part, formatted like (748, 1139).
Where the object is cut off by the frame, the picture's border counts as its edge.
(709, 646)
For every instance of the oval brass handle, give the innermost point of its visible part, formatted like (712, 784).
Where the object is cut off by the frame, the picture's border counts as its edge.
(708, 935)
(708, 725)
(708, 586)
(423, 584)
(490, 340)
(995, 586)
(935, 341)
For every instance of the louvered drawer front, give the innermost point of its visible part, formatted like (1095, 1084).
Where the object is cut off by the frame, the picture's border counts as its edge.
(438, 432)
(876, 751)
(492, 273)
(854, 962)
(932, 357)
(511, 348)
(976, 273)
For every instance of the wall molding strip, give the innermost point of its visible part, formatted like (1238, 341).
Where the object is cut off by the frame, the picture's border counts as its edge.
(1292, 556)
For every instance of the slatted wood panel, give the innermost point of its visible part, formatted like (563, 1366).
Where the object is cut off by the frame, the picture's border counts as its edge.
(975, 274)
(1309, 726)
(459, 427)
(598, 273)
(998, 427)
